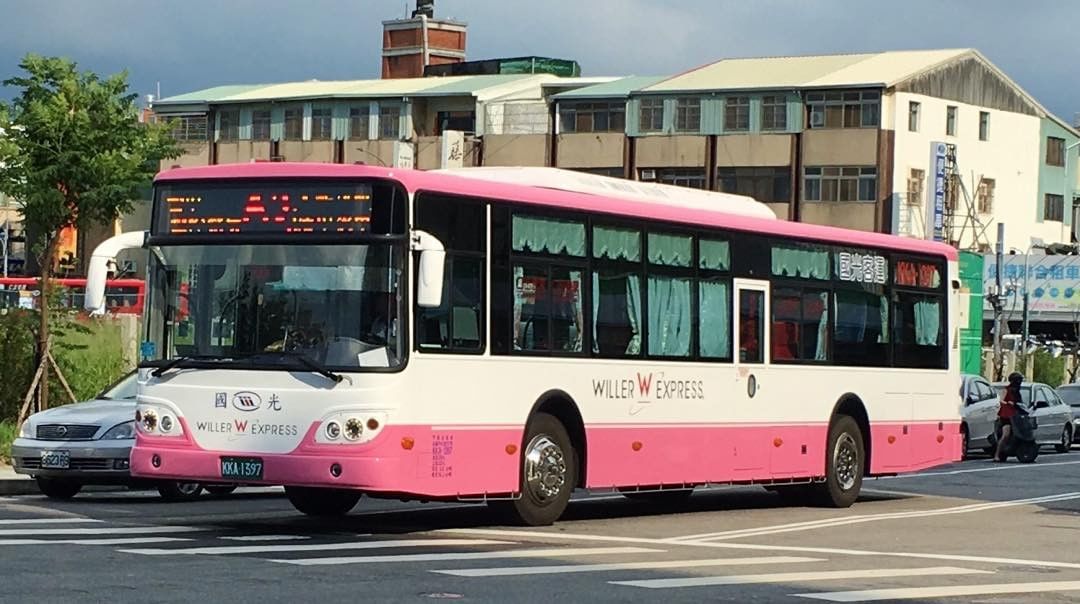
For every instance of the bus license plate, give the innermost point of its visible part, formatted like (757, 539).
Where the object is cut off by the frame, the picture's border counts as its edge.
(56, 460)
(242, 468)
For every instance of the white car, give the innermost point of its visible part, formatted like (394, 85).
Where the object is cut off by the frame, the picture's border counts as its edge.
(67, 447)
(1053, 418)
(1070, 393)
(979, 412)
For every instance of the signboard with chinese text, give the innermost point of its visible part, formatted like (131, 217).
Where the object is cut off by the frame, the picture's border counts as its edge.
(1053, 285)
(935, 219)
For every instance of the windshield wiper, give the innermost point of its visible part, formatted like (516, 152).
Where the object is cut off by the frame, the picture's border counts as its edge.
(178, 361)
(304, 360)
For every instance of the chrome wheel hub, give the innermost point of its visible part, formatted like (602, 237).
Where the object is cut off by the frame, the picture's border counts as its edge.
(545, 468)
(846, 461)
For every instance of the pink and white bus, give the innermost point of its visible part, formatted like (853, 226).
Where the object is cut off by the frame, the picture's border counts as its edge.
(511, 335)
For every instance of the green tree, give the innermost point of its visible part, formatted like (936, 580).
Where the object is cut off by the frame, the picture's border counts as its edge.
(72, 153)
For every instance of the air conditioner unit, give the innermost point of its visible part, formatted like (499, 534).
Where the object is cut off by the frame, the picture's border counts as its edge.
(648, 174)
(817, 119)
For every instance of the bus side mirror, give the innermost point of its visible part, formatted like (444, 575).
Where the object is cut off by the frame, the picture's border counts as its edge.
(429, 280)
(97, 272)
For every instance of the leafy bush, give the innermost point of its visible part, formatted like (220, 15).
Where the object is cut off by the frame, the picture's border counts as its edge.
(1047, 369)
(88, 351)
(7, 435)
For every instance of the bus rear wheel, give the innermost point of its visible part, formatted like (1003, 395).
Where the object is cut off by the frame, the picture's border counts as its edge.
(314, 501)
(548, 474)
(844, 462)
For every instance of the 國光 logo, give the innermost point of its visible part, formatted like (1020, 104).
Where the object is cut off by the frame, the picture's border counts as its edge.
(246, 401)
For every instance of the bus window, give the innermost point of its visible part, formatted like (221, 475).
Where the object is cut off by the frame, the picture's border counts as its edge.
(751, 325)
(616, 313)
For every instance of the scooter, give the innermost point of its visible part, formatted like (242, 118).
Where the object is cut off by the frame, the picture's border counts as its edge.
(1022, 440)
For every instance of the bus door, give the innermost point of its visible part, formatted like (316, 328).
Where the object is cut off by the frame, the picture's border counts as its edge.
(751, 357)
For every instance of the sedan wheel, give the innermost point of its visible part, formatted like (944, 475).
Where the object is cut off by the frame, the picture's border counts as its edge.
(1066, 440)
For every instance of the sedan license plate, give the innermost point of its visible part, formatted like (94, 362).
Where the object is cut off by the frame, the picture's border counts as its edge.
(242, 468)
(56, 460)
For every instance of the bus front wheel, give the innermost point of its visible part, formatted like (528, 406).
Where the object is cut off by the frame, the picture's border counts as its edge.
(548, 474)
(844, 462)
(315, 501)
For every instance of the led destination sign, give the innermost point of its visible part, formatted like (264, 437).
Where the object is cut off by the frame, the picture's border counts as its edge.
(316, 208)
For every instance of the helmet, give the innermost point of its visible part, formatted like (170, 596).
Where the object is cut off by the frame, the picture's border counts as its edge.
(1016, 377)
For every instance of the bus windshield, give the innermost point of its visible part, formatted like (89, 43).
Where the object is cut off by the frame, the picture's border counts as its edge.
(338, 305)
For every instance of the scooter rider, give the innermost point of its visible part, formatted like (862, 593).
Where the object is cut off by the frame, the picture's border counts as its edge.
(1007, 410)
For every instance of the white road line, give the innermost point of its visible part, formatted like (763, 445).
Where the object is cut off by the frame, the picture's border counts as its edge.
(120, 541)
(266, 538)
(524, 553)
(510, 533)
(558, 569)
(830, 575)
(8, 521)
(860, 519)
(122, 530)
(909, 593)
(312, 547)
(994, 468)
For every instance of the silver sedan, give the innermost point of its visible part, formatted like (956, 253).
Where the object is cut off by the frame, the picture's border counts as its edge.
(67, 447)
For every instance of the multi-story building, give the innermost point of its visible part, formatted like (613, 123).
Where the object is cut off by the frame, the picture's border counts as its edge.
(935, 143)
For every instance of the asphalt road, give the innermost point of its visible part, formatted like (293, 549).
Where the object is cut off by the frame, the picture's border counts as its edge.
(970, 532)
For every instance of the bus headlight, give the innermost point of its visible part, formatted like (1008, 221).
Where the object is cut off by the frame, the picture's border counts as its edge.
(157, 420)
(333, 430)
(353, 429)
(149, 420)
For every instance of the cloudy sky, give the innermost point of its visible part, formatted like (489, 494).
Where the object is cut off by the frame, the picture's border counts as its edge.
(192, 44)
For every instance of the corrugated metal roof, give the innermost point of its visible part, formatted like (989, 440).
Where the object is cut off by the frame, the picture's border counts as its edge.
(481, 86)
(619, 88)
(870, 69)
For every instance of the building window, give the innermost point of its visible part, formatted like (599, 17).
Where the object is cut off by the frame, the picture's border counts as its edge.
(358, 123)
(294, 124)
(844, 109)
(737, 114)
(773, 113)
(687, 114)
(915, 186)
(189, 127)
(612, 172)
(651, 116)
(260, 125)
(950, 120)
(840, 183)
(1054, 207)
(1055, 151)
(772, 185)
(913, 116)
(389, 121)
(592, 117)
(229, 125)
(693, 178)
(321, 120)
(462, 121)
(984, 195)
(984, 125)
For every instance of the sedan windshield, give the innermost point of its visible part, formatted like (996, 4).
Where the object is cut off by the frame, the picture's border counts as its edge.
(1070, 394)
(337, 305)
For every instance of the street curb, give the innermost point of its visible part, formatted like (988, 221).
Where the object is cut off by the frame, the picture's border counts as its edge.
(18, 486)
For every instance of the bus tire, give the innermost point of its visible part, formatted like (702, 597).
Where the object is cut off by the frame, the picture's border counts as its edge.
(322, 502)
(548, 474)
(845, 458)
(174, 490)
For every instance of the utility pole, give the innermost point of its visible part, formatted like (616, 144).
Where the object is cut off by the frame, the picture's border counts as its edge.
(998, 294)
(7, 238)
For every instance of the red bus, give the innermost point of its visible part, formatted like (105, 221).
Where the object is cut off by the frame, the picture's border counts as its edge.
(122, 296)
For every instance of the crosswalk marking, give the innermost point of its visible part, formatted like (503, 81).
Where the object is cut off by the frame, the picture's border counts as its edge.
(801, 576)
(265, 538)
(513, 571)
(119, 541)
(311, 547)
(10, 521)
(122, 530)
(909, 593)
(526, 553)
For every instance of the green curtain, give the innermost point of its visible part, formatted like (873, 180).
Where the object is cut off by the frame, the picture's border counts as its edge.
(617, 244)
(669, 316)
(823, 329)
(632, 303)
(714, 319)
(670, 250)
(802, 262)
(714, 255)
(531, 234)
(927, 322)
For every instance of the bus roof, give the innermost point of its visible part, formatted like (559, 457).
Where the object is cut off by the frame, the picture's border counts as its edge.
(682, 211)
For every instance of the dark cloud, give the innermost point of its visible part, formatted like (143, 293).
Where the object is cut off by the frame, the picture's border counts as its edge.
(201, 43)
